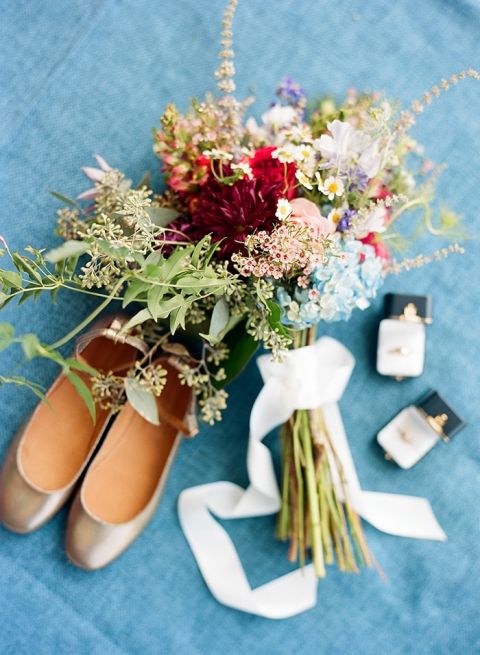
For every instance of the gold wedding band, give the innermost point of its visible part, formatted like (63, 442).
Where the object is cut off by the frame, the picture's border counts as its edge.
(401, 350)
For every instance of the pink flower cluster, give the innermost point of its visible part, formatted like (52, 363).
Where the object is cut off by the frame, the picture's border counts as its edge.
(287, 251)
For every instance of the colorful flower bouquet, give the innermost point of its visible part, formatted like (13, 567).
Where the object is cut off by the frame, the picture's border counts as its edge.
(263, 231)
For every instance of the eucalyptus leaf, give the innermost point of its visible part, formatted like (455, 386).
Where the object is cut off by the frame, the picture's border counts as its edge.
(175, 349)
(219, 319)
(162, 216)
(142, 401)
(116, 252)
(66, 250)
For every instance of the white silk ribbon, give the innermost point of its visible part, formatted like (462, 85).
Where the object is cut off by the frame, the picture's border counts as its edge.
(310, 377)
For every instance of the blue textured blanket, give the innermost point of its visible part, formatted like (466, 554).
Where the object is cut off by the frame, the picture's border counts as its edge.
(86, 76)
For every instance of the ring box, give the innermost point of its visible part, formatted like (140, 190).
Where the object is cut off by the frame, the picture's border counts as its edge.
(401, 335)
(416, 429)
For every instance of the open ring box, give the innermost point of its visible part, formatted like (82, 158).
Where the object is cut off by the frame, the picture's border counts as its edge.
(416, 429)
(401, 335)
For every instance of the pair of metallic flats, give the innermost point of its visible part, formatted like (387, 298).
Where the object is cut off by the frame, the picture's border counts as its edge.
(118, 466)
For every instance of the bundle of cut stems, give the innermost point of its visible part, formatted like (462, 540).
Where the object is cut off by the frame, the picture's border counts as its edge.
(312, 516)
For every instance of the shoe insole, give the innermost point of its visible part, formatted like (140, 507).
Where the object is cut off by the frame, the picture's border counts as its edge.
(127, 469)
(61, 434)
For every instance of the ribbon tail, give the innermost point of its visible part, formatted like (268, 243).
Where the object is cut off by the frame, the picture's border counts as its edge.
(402, 516)
(222, 569)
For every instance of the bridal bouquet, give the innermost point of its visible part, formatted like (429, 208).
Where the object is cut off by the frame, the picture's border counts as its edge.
(262, 231)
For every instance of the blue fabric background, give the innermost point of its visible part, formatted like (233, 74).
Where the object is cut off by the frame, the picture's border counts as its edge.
(86, 76)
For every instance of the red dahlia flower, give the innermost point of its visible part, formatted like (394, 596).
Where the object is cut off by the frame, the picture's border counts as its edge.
(232, 212)
(264, 167)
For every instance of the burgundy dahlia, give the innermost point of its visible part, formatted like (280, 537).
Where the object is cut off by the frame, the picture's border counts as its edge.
(231, 213)
(267, 168)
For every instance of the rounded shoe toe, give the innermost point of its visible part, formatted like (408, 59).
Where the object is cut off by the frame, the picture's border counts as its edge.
(23, 509)
(92, 544)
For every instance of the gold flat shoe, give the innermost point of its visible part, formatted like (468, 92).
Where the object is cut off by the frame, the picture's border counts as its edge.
(125, 481)
(48, 455)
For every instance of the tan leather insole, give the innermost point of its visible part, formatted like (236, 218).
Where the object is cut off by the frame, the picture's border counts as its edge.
(128, 467)
(60, 435)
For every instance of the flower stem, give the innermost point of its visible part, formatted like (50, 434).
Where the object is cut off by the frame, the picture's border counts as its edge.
(312, 495)
(89, 319)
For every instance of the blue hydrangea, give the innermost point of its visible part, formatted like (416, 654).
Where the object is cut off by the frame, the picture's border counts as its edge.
(336, 288)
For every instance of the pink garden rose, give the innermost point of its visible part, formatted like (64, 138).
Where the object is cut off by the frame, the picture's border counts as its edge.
(306, 213)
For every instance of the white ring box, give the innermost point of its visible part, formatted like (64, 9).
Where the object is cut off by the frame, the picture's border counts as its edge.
(416, 429)
(401, 335)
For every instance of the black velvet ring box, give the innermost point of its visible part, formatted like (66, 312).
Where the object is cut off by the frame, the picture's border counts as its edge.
(416, 429)
(402, 334)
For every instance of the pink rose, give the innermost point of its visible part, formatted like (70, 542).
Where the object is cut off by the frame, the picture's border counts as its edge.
(306, 213)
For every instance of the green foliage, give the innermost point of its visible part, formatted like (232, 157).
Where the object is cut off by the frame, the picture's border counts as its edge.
(32, 347)
(242, 347)
(170, 285)
(142, 400)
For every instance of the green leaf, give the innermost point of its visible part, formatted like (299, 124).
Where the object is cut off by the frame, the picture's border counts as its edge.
(242, 348)
(274, 318)
(211, 251)
(219, 319)
(139, 318)
(154, 296)
(116, 252)
(65, 199)
(145, 180)
(198, 251)
(72, 362)
(83, 391)
(66, 250)
(134, 289)
(23, 382)
(31, 345)
(190, 282)
(154, 258)
(23, 264)
(162, 216)
(177, 318)
(166, 307)
(142, 401)
(3, 299)
(11, 280)
(174, 264)
(7, 332)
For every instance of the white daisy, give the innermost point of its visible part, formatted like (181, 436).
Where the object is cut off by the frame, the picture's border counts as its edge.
(304, 180)
(284, 209)
(244, 167)
(336, 214)
(333, 186)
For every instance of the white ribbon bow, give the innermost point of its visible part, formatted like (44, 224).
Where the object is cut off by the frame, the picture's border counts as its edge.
(310, 377)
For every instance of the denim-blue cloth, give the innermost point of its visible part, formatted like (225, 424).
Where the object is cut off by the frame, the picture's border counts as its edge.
(80, 77)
